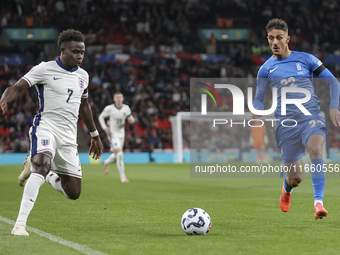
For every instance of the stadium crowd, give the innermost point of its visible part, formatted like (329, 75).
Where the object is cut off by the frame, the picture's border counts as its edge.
(159, 88)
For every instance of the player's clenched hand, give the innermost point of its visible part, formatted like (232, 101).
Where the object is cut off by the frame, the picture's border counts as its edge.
(334, 114)
(107, 131)
(3, 106)
(96, 147)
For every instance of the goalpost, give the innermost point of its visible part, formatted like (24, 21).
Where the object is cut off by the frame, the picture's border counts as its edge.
(177, 122)
(186, 118)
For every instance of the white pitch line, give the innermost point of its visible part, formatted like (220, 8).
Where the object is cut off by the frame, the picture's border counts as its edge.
(81, 248)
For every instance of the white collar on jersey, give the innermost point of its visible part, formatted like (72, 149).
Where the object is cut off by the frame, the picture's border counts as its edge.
(117, 107)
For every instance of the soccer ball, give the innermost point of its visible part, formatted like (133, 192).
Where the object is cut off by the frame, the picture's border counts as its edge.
(196, 221)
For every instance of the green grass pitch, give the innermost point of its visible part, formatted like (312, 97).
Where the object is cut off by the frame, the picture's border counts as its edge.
(143, 216)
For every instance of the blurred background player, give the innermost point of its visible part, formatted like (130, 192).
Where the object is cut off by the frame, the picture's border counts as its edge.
(259, 139)
(62, 90)
(286, 68)
(118, 114)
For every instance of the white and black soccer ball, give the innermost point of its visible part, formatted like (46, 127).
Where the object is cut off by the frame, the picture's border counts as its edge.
(196, 221)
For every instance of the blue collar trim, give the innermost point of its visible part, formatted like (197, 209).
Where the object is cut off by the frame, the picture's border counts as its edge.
(64, 67)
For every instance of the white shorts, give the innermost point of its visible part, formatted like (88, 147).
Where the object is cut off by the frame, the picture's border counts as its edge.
(65, 158)
(117, 143)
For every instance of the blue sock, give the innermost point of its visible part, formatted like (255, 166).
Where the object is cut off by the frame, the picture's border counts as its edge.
(318, 178)
(286, 186)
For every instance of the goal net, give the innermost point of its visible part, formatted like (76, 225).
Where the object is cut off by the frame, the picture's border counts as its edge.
(221, 137)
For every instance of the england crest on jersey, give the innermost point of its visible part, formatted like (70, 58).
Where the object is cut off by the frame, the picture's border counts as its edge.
(45, 142)
(81, 83)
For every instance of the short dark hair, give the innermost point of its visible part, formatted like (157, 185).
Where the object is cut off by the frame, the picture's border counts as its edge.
(277, 24)
(70, 35)
(118, 93)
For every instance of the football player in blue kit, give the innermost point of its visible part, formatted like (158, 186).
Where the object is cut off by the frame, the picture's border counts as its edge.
(297, 131)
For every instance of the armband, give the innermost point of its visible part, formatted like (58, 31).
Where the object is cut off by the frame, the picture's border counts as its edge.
(318, 70)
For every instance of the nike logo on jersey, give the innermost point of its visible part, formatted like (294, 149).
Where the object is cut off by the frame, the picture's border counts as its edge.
(54, 78)
(272, 70)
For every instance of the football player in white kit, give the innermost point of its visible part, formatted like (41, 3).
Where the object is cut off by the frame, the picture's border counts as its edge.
(62, 90)
(118, 113)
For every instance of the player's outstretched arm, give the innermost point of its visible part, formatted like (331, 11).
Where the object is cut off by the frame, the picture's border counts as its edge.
(334, 89)
(11, 93)
(86, 115)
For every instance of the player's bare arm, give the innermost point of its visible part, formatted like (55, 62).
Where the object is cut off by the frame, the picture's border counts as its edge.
(86, 115)
(12, 92)
(334, 114)
(131, 120)
(101, 120)
(107, 131)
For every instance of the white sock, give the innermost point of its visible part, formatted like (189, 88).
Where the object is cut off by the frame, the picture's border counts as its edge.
(29, 197)
(110, 159)
(318, 201)
(120, 164)
(55, 181)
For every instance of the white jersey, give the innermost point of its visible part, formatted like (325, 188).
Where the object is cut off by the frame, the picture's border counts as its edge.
(60, 92)
(117, 119)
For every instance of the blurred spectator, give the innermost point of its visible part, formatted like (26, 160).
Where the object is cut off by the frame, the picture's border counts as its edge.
(90, 37)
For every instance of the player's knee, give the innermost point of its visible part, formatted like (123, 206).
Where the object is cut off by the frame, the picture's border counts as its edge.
(71, 186)
(315, 152)
(41, 165)
(117, 151)
(73, 195)
(119, 155)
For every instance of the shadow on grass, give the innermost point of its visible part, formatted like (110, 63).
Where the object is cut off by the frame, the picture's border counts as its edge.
(182, 235)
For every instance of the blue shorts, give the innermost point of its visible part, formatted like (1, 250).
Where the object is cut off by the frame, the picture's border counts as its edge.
(292, 141)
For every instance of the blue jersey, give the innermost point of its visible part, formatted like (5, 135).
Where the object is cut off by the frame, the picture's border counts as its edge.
(295, 71)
